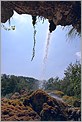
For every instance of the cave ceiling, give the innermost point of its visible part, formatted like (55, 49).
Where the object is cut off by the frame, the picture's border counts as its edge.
(57, 12)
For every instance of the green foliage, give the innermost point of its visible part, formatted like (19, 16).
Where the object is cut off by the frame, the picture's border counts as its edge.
(72, 80)
(11, 84)
(70, 84)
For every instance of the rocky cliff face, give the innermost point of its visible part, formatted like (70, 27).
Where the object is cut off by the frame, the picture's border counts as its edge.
(57, 12)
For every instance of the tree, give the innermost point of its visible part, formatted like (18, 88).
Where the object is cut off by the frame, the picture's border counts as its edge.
(71, 84)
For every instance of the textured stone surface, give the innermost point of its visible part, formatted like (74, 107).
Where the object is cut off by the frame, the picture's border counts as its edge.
(38, 106)
(60, 12)
(51, 109)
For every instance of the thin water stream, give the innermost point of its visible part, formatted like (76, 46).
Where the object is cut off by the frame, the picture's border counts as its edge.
(45, 56)
(55, 96)
(47, 48)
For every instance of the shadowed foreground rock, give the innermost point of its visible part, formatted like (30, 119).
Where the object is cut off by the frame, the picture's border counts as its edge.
(38, 106)
(50, 109)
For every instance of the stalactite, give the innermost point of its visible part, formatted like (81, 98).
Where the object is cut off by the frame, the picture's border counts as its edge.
(52, 26)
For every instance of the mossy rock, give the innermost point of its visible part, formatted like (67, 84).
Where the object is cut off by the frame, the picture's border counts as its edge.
(50, 113)
(36, 107)
(39, 97)
(14, 110)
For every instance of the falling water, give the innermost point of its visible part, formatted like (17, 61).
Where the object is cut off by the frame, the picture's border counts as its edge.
(47, 47)
(41, 84)
(52, 27)
(46, 55)
(44, 61)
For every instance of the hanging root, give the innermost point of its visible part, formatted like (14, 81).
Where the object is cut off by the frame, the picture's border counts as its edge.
(33, 54)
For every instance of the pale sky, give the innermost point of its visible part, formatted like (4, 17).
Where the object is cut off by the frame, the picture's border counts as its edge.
(17, 45)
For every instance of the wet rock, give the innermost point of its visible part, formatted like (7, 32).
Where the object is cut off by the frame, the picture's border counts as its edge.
(77, 103)
(50, 113)
(74, 114)
(79, 115)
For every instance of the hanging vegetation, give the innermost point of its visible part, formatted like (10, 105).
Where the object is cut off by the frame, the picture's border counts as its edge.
(34, 22)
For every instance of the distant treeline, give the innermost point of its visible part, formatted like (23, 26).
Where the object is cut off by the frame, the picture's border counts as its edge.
(70, 84)
(11, 84)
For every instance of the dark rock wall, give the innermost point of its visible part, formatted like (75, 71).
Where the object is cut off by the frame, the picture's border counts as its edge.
(60, 12)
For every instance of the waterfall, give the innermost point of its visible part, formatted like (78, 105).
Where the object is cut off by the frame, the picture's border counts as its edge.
(47, 48)
(46, 55)
(44, 61)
